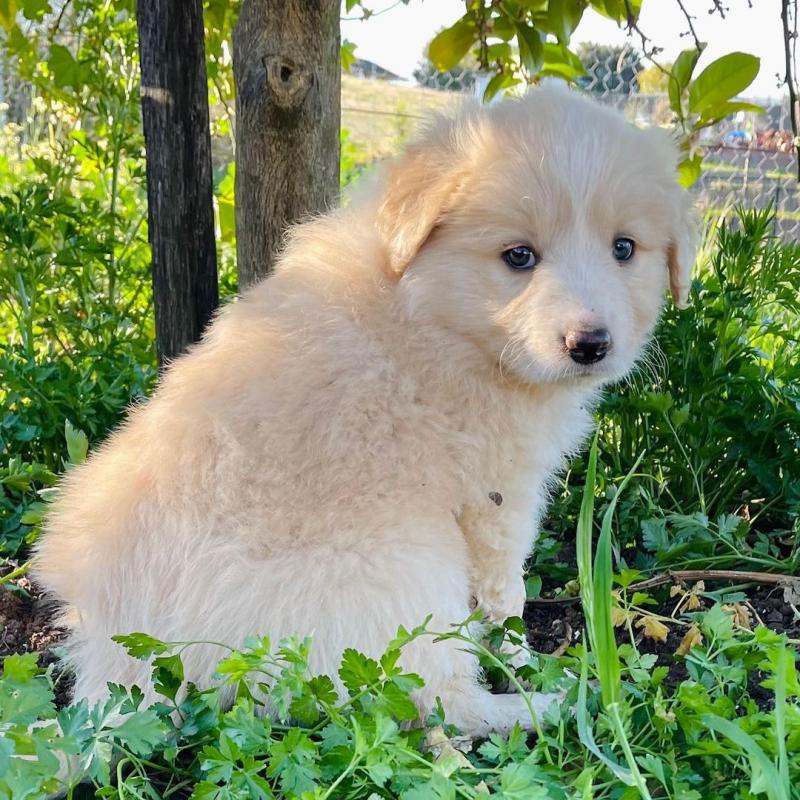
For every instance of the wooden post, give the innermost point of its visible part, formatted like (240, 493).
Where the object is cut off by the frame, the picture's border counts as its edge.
(286, 65)
(179, 189)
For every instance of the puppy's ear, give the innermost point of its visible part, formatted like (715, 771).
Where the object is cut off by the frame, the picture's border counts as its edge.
(681, 252)
(682, 226)
(418, 188)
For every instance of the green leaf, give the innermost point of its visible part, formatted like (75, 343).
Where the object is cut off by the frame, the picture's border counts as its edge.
(141, 645)
(141, 731)
(722, 110)
(293, 762)
(168, 675)
(583, 545)
(689, 170)
(497, 83)
(521, 782)
(437, 788)
(35, 10)
(603, 641)
(721, 80)
(64, 68)
(499, 750)
(304, 709)
(321, 686)
(33, 514)
(654, 534)
(358, 671)
(533, 587)
(563, 17)
(717, 623)
(561, 62)
(531, 51)
(395, 702)
(77, 443)
(617, 9)
(379, 773)
(25, 701)
(764, 778)
(21, 667)
(449, 46)
(8, 12)
(680, 75)
(348, 54)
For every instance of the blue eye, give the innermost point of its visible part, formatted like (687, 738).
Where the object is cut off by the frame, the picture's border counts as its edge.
(624, 249)
(520, 258)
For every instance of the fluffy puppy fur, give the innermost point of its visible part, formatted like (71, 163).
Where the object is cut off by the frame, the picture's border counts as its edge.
(322, 463)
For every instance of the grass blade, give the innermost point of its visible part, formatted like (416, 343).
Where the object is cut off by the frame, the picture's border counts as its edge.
(764, 777)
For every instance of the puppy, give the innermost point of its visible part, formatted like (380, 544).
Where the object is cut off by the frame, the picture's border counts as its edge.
(368, 436)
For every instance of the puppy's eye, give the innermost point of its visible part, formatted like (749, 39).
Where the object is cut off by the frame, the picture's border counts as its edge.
(624, 248)
(520, 258)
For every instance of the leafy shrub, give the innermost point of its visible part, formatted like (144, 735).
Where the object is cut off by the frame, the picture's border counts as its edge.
(76, 314)
(76, 319)
(21, 504)
(705, 738)
(78, 340)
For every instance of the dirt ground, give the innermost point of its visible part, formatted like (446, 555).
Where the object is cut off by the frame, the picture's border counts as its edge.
(26, 625)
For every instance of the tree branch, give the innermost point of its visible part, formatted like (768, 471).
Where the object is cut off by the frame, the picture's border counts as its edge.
(789, 37)
(679, 575)
(691, 30)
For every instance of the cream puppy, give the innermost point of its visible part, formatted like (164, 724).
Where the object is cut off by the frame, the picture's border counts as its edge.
(368, 436)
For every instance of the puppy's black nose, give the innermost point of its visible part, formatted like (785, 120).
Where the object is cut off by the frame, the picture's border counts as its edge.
(587, 347)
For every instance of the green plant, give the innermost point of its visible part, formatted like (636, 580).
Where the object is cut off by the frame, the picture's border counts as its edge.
(290, 734)
(354, 160)
(74, 273)
(704, 737)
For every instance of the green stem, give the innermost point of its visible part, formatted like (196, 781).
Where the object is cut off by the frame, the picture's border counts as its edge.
(613, 710)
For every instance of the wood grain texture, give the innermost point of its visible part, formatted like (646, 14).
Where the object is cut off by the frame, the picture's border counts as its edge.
(179, 189)
(287, 71)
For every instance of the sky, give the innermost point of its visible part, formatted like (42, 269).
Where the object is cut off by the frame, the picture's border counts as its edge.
(397, 38)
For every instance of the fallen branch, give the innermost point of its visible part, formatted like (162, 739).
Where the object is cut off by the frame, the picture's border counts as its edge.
(694, 575)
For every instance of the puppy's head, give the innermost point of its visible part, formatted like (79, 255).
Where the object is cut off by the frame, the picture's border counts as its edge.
(542, 231)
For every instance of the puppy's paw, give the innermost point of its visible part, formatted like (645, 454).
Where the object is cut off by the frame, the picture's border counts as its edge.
(519, 654)
(501, 597)
(514, 709)
(542, 702)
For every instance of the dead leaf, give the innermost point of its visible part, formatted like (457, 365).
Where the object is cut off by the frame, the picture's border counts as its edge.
(667, 716)
(692, 638)
(653, 628)
(741, 615)
(619, 616)
(791, 592)
(693, 602)
(690, 598)
(445, 755)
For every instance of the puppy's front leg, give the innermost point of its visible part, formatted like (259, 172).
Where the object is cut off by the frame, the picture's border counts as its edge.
(500, 534)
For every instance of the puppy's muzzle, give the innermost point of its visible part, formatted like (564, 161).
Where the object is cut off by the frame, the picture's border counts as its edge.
(587, 347)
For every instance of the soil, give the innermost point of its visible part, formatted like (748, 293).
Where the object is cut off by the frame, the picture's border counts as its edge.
(26, 625)
(555, 625)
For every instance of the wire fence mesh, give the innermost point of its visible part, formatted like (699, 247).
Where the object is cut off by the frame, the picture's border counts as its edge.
(749, 159)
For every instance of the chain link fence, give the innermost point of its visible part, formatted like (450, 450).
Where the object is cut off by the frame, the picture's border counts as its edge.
(748, 159)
